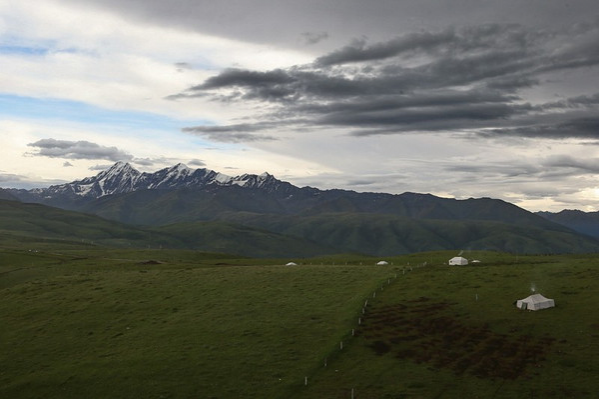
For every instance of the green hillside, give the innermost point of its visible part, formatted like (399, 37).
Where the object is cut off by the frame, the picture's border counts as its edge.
(440, 332)
(243, 240)
(386, 235)
(271, 235)
(39, 226)
(34, 221)
(180, 324)
(120, 327)
(161, 207)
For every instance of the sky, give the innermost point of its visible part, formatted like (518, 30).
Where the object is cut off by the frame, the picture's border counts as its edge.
(457, 98)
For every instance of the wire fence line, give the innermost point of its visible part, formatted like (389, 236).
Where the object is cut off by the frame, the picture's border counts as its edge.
(346, 338)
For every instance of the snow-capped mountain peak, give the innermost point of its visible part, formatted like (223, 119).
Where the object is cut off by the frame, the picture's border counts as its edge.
(119, 169)
(254, 181)
(123, 178)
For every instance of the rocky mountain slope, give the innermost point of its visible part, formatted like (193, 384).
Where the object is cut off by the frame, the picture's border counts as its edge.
(122, 178)
(178, 193)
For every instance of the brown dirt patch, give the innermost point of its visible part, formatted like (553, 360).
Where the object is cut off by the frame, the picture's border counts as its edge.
(426, 332)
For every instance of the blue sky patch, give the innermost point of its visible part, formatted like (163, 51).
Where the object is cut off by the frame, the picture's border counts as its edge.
(20, 107)
(23, 50)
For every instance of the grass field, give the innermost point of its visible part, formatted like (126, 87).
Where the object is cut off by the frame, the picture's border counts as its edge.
(454, 332)
(96, 323)
(82, 324)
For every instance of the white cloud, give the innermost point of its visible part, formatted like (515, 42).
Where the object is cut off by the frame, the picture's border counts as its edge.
(84, 54)
(154, 150)
(119, 64)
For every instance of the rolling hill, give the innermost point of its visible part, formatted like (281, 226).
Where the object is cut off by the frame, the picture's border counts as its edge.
(258, 215)
(384, 235)
(34, 224)
(582, 222)
(258, 235)
(104, 323)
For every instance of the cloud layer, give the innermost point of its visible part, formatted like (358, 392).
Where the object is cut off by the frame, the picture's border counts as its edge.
(77, 150)
(457, 98)
(469, 78)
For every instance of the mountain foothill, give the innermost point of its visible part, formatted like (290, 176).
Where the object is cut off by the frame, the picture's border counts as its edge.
(261, 216)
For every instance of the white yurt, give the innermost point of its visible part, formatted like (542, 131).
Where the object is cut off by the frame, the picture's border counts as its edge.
(291, 264)
(382, 263)
(458, 260)
(535, 302)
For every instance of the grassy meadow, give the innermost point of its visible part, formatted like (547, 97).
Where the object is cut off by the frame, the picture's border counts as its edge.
(100, 323)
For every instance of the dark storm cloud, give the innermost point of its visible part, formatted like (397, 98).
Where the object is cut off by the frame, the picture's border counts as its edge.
(581, 127)
(281, 22)
(273, 85)
(143, 163)
(235, 137)
(560, 166)
(197, 162)
(148, 161)
(574, 102)
(238, 128)
(183, 66)
(11, 178)
(232, 133)
(245, 78)
(314, 37)
(451, 79)
(510, 169)
(374, 180)
(448, 42)
(583, 166)
(100, 167)
(78, 150)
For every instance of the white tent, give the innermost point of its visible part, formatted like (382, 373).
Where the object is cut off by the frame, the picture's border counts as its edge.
(382, 263)
(291, 264)
(458, 260)
(535, 302)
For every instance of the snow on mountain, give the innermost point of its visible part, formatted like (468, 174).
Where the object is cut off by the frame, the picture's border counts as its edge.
(120, 177)
(264, 180)
(123, 178)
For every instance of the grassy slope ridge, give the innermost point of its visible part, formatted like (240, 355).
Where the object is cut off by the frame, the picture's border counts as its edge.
(376, 224)
(389, 234)
(95, 324)
(34, 220)
(160, 207)
(20, 222)
(582, 222)
(272, 235)
(239, 239)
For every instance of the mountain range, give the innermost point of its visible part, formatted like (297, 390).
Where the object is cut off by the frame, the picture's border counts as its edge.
(579, 221)
(194, 205)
